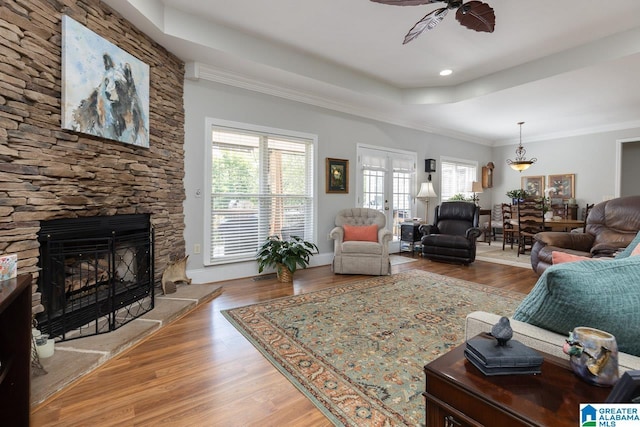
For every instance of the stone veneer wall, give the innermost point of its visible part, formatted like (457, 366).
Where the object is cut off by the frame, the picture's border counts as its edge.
(50, 173)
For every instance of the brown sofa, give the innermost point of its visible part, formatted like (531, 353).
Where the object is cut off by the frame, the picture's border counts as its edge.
(611, 226)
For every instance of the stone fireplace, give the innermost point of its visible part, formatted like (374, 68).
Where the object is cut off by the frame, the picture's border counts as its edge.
(97, 274)
(50, 174)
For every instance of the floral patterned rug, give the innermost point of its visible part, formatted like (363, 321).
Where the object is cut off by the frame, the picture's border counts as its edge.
(358, 350)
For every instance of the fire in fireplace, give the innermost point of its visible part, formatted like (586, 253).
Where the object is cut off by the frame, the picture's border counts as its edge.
(97, 274)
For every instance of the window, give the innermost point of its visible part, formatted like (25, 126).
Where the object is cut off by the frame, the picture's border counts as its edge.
(261, 185)
(457, 177)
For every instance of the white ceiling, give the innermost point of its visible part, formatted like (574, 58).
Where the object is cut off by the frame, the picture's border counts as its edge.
(564, 67)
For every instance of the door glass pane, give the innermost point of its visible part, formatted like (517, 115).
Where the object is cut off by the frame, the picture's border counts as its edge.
(402, 200)
(387, 183)
(373, 195)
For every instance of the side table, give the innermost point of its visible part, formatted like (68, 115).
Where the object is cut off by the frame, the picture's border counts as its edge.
(15, 350)
(457, 394)
(410, 234)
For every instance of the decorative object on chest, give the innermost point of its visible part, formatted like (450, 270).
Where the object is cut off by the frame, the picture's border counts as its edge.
(503, 356)
(457, 394)
(594, 355)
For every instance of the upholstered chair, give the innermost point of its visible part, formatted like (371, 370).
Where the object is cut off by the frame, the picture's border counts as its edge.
(361, 242)
(610, 227)
(452, 236)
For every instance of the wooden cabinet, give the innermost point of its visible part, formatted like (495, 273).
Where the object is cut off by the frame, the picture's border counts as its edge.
(15, 350)
(457, 394)
(565, 211)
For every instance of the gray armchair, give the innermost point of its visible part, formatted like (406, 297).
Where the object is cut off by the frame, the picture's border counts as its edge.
(452, 236)
(361, 256)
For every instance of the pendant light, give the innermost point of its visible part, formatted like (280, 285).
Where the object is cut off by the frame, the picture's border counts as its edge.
(521, 163)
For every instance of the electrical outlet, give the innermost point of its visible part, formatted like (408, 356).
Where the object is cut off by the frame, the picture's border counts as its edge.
(328, 236)
(196, 248)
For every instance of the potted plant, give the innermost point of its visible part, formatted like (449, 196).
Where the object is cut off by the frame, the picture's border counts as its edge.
(518, 194)
(285, 255)
(458, 197)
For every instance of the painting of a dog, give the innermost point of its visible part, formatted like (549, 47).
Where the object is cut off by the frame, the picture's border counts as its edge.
(105, 90)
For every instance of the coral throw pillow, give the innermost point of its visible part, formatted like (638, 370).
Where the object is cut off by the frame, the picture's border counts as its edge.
(636, 250)
(362, 233)
(559, 257)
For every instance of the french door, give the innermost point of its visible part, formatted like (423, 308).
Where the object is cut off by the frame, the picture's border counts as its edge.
(386, 181)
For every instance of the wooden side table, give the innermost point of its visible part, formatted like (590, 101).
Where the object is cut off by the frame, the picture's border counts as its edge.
(15, 350)
(457, 394)
(410, 234)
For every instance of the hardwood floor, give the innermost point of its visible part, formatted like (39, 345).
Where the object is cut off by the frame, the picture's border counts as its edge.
(200, 371)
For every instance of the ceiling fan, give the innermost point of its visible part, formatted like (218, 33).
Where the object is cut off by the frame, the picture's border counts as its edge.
(475, 15)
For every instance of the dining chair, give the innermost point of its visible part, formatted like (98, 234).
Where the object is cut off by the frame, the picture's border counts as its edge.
(509, 230)
(583, 229)
(489, 228)
(530, 222)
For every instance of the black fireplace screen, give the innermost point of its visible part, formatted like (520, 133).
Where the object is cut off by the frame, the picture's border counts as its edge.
(97, 274)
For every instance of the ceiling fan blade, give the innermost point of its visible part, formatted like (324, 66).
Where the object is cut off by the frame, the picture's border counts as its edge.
(477, 16)
(429, 22)
(406, 2)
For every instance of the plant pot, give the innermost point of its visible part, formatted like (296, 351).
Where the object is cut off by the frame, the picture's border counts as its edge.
(593, 355)
(284, 275)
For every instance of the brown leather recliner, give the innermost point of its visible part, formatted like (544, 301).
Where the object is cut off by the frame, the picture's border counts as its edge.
(611, 226)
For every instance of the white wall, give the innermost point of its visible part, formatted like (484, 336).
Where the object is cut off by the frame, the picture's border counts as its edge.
(630, 175)
(592, 158)
(338, 134)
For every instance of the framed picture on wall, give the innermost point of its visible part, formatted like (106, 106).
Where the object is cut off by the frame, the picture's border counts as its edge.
(105, 90)
(564, 185)
(533, 185)
(337, 176)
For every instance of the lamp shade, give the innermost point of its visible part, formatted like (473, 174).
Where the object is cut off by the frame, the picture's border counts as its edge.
(476, 187)
(521, 165)
(426, 191)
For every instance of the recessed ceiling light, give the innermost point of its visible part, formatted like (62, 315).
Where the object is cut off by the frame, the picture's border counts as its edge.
(446, 72)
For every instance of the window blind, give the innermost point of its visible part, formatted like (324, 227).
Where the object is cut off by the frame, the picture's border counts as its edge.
(261, 185)
(457, 177)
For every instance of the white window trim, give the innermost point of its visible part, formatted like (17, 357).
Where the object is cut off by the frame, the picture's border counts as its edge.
(213, 122)
(359, 189)
(394, 245)
(473, 163)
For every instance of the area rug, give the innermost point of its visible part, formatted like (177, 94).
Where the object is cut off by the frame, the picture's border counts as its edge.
(508, 256)
(357, 351)
(397, 259)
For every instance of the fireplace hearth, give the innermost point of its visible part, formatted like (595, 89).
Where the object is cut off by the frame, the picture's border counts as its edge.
(97, 274)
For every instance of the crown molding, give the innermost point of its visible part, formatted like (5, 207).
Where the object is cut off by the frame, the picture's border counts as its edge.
(195, 71)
